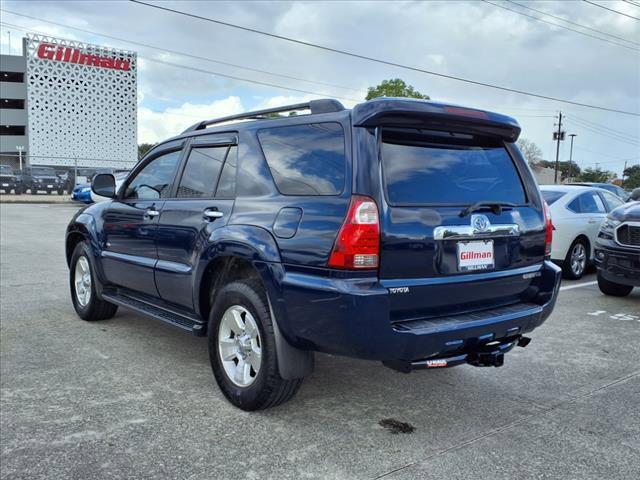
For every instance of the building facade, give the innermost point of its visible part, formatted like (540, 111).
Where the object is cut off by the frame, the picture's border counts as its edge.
(70, 104)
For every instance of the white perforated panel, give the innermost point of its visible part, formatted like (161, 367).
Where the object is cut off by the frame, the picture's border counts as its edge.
(82, 103)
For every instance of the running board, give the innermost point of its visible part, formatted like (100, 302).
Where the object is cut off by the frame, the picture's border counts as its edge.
(154, 311)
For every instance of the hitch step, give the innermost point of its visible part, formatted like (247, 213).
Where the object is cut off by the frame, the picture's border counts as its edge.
(488, 355)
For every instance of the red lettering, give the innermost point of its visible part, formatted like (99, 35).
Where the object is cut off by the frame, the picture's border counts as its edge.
(46, 51)
(61, 53)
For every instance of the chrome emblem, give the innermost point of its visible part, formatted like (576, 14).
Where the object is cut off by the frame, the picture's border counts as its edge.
(480, 223)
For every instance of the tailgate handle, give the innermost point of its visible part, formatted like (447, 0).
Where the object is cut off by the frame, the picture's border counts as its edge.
(467, 232)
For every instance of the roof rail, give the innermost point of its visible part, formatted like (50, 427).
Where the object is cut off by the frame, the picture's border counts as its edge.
(325, 105)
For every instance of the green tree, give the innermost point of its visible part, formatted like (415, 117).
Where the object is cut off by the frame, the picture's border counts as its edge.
(530, 150)
(595, 175)
(143, 148)
(564, 169)
(394, 88)
(632, 177)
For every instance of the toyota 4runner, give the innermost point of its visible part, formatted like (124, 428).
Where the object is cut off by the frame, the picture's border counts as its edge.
(404, 231)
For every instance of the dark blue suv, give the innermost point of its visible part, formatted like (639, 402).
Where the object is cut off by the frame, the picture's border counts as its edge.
(403, 231)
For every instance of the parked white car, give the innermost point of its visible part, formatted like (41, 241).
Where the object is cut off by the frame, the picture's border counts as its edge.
(576, 214)
(120, 177)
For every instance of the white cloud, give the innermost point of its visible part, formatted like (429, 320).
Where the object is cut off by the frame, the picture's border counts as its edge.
(157, 126)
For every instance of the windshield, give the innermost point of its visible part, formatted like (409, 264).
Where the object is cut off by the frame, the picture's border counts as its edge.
(421, 170)
(120, 175)
(43, 171)
(551, 196)
(5, 170)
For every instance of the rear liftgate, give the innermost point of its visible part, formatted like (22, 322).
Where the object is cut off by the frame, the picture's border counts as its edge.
(488, 355)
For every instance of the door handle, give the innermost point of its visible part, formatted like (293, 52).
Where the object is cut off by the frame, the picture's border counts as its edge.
(150, 213)
(211, 215)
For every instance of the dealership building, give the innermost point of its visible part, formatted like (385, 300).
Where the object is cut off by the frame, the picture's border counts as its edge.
(65, 103)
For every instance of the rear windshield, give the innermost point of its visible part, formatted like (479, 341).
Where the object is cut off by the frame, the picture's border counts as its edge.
(4, 169)
(460, 170)
(551, 196)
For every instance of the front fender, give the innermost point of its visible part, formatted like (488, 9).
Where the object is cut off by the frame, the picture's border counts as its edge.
(85, 224)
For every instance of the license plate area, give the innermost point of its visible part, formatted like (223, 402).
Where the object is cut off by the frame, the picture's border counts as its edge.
(475, 255)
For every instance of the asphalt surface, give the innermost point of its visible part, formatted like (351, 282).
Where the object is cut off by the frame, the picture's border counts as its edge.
(132, 398)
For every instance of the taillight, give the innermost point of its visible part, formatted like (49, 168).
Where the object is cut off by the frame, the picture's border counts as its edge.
(548, 225)
(358, 243)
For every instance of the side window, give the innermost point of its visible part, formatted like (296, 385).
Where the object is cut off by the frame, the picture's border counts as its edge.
(591, 202)
(574, 205)
(306, 159)
(155, 179)
(201, 172)
(227, 182)
(611, 200)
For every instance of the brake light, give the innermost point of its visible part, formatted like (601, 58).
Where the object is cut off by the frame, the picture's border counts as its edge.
(358, 243)
(549, 228)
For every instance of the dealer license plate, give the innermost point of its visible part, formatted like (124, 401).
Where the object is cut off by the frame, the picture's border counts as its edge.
(475, 255)
(49, 186)
(5, 184)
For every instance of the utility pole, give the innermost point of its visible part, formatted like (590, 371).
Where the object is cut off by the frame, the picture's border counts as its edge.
(625, 167)
(20, 148)
(559, 135)
(571, 154)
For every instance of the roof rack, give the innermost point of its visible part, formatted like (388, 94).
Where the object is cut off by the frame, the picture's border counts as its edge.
(325, 105)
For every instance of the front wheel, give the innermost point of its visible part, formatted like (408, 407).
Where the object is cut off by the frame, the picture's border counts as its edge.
(611, 288)
(83, 287)
(242, 348)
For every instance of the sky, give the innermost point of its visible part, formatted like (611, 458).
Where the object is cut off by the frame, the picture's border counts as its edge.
(470, 39)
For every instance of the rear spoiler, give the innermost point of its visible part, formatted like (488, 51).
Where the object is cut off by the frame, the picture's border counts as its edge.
(405, 112)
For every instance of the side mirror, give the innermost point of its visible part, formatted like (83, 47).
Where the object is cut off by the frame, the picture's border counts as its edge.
(635, 195)
(104, 184)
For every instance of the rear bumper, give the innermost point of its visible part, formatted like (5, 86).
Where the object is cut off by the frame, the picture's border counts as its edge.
(618, 264)
(352, 317)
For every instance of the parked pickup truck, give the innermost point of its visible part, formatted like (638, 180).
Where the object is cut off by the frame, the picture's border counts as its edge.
(617, 251)
(403, 231)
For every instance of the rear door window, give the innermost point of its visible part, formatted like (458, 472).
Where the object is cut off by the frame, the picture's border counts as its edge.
(611, 200)
(306, 159)
(589, 202)
(437, 170)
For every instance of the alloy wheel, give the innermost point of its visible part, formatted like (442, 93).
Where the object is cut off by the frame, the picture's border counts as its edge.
(240, 346)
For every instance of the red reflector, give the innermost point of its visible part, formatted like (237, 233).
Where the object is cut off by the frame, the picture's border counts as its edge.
(358, 243)
(466, 112)
(549, 228)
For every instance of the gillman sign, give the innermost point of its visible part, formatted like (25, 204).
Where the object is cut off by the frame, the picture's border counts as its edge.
(60, 53)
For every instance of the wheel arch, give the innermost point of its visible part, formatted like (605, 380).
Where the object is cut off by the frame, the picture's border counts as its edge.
(242, 253)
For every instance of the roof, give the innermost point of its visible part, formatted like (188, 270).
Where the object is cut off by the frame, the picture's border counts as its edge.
(568, 188)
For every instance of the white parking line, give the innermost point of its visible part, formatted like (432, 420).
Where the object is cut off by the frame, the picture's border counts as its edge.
(586, 284)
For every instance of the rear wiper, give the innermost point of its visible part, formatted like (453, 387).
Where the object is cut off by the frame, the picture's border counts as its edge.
(496, 207)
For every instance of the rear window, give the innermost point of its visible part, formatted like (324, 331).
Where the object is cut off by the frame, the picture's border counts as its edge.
(551, 196)
(306, 159)
(424, 170)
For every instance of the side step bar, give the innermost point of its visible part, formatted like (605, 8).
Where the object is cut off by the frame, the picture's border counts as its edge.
(488, 355)
(151, 310)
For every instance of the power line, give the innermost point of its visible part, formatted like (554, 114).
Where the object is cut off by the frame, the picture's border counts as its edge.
(241, 79)
(635, 4)
(609, 133)
(383, 62)
(175, 52)
(556, 25)
(233, 77)
(611, 9)
(572, 23)
(604, 127)
(604, 134)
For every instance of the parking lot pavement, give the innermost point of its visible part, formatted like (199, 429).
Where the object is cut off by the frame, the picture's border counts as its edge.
(39, 198)
(134, 398)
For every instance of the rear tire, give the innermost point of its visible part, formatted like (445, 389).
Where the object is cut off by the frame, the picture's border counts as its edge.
(34, 191)
(254, 390)
(576, 261)
(82, 282)
(612, 288)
